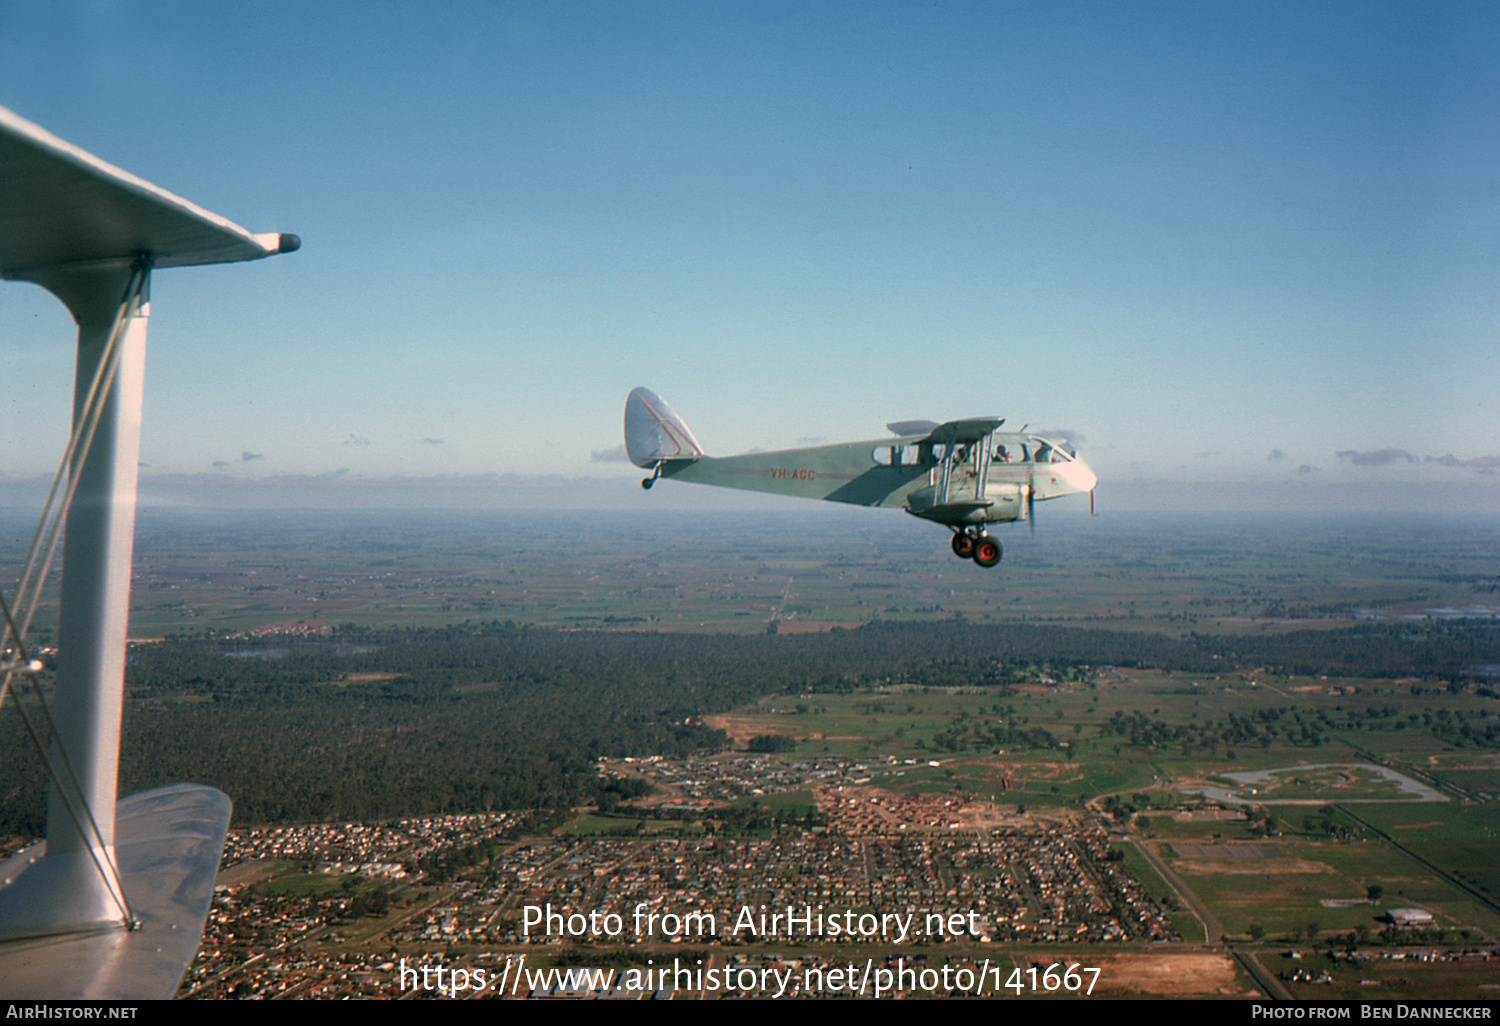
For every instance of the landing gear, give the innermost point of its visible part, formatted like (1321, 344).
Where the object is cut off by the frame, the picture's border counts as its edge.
(987, 551)
(981, 548)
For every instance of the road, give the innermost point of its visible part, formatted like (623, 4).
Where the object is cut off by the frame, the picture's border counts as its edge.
(1213, 933)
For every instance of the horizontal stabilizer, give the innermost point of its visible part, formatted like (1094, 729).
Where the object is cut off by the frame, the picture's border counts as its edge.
(653, 432)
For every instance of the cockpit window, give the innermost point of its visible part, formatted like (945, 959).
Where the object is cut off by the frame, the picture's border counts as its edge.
(1048, 453)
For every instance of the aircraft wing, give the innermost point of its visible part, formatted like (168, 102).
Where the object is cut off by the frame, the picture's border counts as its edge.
(113, 905)
(963, 431)
(60, 205)
(168, 843)
(911, 427)
(963, 511)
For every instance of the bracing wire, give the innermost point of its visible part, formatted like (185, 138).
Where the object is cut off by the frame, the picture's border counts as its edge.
(98, 852)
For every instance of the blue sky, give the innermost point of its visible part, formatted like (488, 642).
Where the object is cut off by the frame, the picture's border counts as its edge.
(1248, 246)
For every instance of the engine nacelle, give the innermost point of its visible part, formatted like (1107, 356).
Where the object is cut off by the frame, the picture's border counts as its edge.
(1007, 502)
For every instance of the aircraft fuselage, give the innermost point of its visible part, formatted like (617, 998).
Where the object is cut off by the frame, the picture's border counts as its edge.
(904, 473)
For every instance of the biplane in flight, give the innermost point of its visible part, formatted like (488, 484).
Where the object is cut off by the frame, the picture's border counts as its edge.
(965, 474)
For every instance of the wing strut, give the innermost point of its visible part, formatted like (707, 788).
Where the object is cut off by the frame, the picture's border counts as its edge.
(945, 470)
(97, 502)
(981, 468)
(74, 807)
(91, 234)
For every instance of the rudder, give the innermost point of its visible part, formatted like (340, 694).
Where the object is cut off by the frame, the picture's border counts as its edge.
(654, 432)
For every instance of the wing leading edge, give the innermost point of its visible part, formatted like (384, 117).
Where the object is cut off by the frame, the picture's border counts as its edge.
(60, 205)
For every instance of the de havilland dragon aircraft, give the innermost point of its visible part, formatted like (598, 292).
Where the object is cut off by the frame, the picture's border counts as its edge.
(965, 474)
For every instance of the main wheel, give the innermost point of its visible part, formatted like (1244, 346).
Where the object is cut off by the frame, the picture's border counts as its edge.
(987, 551)
(963, 545)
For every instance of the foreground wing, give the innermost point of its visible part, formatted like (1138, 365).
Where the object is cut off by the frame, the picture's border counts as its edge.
(113, 906)
(60, 205)
(168, 842)
(963, 432)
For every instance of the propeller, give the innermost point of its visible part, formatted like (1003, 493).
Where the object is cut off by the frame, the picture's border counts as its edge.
(1031, 500)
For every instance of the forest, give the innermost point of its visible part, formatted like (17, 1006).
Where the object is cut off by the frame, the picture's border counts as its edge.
(367, 723)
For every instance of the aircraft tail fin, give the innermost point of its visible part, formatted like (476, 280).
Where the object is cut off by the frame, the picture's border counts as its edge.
(654, 432)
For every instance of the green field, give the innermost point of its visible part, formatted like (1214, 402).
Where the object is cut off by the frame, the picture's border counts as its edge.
(1385, 979)
(1284, 864)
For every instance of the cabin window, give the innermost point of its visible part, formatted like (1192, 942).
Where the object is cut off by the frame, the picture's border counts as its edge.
(897, 455)
(963, 452)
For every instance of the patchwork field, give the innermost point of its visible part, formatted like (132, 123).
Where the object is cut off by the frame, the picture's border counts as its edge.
(800, 568)
(1270, 855)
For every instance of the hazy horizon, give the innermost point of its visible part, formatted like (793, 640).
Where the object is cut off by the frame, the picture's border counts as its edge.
(1236, 244)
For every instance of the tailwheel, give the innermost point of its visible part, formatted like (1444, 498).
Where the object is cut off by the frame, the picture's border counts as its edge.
(987, 551)
(963, 545)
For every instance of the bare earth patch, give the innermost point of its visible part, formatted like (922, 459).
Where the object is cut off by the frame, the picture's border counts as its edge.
(739, 728)
(1248, 867)
(247, 872)
(1177, 975)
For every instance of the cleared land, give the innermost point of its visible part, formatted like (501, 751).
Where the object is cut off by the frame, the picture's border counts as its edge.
(1290, 865)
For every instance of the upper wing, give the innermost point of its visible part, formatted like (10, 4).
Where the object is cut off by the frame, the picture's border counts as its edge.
(963, 431)
(60, 205)
(911, 427)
